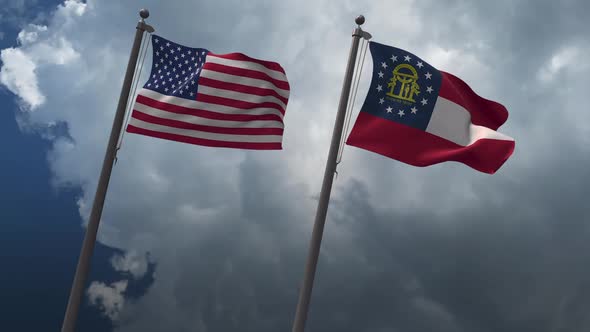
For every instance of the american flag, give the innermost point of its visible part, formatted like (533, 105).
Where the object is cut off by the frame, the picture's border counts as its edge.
(219, 100)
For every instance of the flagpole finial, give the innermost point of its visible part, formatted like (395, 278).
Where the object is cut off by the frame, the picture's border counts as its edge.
(359, 20)
(144, 13)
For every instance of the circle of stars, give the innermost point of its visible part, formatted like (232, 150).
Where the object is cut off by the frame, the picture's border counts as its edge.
(381, 75)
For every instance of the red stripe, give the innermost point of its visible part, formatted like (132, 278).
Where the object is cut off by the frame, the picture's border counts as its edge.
(204, 113)
(484, 112)
(241, 88)
(205, 142)
(245, 73)
(191, 126)
(419, 148)
(243, 57)
(237, 103)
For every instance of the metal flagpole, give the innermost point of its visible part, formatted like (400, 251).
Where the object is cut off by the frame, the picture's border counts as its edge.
(90, 238)
(320, 219)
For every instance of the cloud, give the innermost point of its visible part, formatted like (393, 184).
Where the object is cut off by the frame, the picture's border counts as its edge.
(130, 262)
(405, 249)
(109, 299)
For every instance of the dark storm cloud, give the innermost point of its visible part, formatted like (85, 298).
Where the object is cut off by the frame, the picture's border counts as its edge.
(405, 249)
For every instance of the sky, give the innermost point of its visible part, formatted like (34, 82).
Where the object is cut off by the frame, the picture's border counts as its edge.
(201, 239)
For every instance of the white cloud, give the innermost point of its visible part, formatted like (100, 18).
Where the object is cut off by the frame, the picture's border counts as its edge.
(18, 75)
(109, 299)
(131, 262)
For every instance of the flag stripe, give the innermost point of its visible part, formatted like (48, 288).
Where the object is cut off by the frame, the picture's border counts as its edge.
(246, 89)
(244, 72)
(205, 135)
(182, 123)
(191, 118)
(421, 148)
(205, 142)
(453, 122)
(204, 113)
(244, 61)
(244, 81)
(236, 103)
(198, 105)
(239, 96)
(484, 112)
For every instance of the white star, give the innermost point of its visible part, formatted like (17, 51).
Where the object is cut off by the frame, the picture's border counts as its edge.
(166, 89)
(393, 58)
(419, 64)
(170, 79)
(165, 67)
(179, 82)
(171, 51)
(428, 75)
(414, 110)
(401, 113)
(183, 72)
(157, 86)
(379, 88)
(193, 59)
(149, 84)
(389, 109)
(178, 48)
(156, 40)
(174, 87)
(174, 70)
(177, 76)
(193, 82)
(154, 76)
(156, 65)
(157, 53)
(182, 55)
(192, 93)
(185, 62)
(161, 48)
(166, 55)
(381, 101)
(383, 64)
(161, 60)
(167, 44)
(380, 75)
(179, 65)
(163, 82)
(429, 89)
(407, 58)
(424, 101)
(175, 58)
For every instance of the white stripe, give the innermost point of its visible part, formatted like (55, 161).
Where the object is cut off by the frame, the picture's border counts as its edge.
(277, 75)
(207, 90)
(453, 122)
(244, 81)
(204, 121)
(207, 106)
(206, 135)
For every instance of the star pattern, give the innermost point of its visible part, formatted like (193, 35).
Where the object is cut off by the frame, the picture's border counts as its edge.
(411, 113)
(176, 75)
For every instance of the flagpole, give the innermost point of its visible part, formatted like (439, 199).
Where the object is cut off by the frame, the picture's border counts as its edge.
(83, 267)
(320, 219)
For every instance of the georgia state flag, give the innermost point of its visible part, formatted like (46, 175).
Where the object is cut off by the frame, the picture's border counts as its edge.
(421, 116)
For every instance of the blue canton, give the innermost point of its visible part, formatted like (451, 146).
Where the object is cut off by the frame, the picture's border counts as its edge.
(404, 88)
(175, 68)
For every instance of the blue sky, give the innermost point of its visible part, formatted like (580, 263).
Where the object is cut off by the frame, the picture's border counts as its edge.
(41, 235)
(201, 239)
